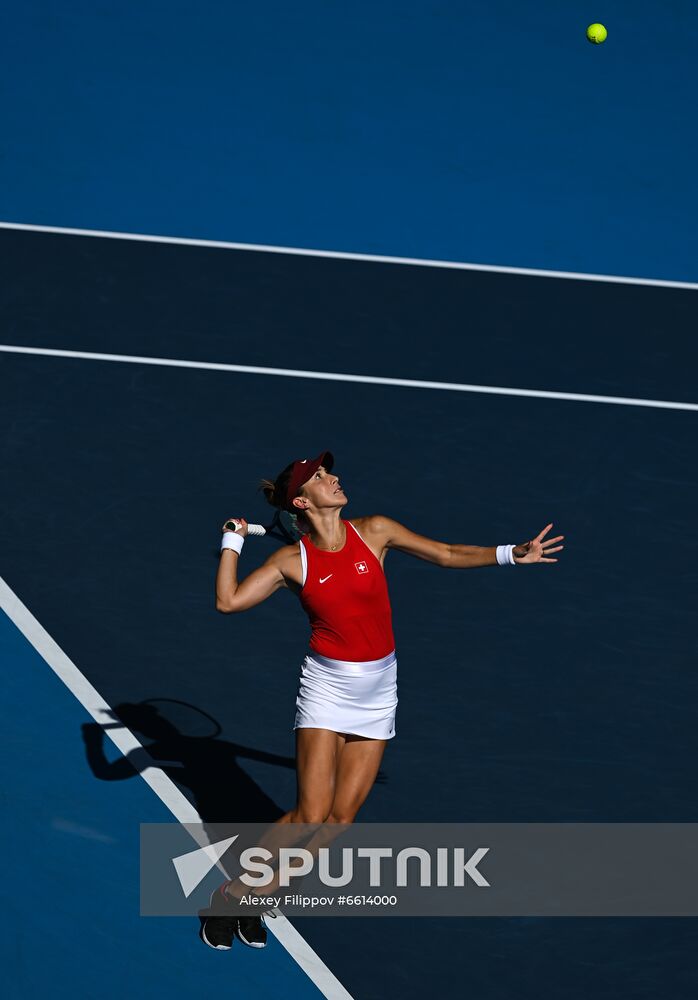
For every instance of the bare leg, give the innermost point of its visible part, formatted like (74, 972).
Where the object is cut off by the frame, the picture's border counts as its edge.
(335, 774)
(317, 757)
(356, 772)
(318, 752)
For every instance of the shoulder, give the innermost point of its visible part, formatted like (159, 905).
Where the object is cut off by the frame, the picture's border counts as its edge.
(375, 526)
(286, 561)
(285, 554)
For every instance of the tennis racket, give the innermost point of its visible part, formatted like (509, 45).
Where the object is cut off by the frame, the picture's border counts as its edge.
(283, 526)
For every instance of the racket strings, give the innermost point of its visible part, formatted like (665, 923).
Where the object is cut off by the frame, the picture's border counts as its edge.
(292, 526)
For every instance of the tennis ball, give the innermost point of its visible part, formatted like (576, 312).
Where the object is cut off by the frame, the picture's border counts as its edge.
(596, 33)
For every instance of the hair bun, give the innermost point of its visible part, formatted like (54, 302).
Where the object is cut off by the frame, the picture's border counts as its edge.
(269, 490)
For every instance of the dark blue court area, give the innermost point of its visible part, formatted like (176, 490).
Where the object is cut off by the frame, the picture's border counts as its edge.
(562, 693)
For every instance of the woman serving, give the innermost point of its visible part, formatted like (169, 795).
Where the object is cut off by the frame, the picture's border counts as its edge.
(347, 695)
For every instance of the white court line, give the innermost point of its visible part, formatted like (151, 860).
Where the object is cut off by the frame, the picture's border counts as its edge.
(342, 255)
(410, 383)
(164, 788)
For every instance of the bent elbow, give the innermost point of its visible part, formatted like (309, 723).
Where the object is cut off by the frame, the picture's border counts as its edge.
(445, 557)
(224, 609)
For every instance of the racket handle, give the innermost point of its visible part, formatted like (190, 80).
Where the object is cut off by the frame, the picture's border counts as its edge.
(252, 529)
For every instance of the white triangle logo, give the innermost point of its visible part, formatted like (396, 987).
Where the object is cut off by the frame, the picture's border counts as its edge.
(192, 868)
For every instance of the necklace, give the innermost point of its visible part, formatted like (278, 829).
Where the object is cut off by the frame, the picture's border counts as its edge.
(333, 547)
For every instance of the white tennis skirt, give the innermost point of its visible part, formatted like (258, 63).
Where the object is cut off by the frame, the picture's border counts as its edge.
(358, 698)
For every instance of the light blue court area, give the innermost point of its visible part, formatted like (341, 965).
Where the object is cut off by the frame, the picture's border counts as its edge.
(70, 879)
(492, 133)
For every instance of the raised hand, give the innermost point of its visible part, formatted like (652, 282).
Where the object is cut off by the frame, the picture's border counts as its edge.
(538, 550)
(236, 525)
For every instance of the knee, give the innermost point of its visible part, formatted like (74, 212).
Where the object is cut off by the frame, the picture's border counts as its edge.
(340, 816)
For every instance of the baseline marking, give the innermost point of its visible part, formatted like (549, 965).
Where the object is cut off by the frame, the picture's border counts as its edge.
(410, 383)
(342, 255)
(180, 807)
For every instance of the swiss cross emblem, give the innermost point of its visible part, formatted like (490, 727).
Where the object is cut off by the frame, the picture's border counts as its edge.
(361, 567)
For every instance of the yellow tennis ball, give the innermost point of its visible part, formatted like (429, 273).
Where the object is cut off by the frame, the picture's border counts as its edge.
(596, 33)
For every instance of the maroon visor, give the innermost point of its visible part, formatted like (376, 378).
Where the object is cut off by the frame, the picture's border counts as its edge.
(303, 470)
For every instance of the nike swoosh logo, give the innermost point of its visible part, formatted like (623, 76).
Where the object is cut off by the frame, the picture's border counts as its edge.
(324, 578)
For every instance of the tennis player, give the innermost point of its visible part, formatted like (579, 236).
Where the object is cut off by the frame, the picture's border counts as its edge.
(347, 694)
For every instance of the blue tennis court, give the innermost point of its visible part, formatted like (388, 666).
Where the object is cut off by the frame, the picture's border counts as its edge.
(564, 696)
(235, 240)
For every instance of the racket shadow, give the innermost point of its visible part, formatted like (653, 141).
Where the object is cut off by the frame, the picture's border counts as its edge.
(205, 768)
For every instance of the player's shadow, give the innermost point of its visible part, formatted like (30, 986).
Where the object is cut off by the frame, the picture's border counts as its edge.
(206, 767)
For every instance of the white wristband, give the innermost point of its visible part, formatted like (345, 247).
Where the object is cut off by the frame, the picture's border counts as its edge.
(231, 540)
(505, 555)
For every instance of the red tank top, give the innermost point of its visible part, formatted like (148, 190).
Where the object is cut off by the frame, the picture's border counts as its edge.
(345, 596)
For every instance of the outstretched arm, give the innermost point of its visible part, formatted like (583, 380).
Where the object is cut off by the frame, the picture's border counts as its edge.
(384, 533)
